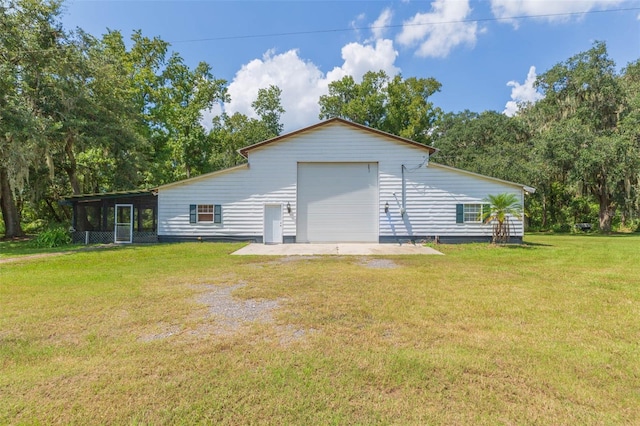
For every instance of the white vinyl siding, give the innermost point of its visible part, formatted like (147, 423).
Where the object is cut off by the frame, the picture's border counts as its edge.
(430, 194)
(337, 202)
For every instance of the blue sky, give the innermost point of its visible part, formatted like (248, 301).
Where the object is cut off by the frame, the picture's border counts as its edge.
(483, 58)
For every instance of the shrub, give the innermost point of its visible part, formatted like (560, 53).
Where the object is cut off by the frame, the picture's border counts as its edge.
(54, 236)
(631, 226)
(561, 228)
(34, 227)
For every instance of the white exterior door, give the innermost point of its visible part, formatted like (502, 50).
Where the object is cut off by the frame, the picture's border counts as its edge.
(337, 202)
(273, 224)
(123, 232)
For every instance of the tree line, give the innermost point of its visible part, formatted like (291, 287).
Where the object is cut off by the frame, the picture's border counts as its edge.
(579, 146)
(82, 114)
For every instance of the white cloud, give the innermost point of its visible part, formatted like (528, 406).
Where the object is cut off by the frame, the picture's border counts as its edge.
(302, 82)
(504, 9)
(380, 25)
(357, 23)
(436, 33)
(522, 93)
(360, 58)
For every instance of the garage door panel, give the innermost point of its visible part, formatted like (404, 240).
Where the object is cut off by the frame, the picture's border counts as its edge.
(337, 189)
(337, 202)
(354, 201)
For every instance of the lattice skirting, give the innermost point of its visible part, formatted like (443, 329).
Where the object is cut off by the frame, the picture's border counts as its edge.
(106, 237)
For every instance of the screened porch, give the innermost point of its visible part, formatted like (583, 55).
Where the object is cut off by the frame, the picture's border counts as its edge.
(116, 217)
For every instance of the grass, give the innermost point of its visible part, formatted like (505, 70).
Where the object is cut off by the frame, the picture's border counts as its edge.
(546, 333)
(26, 247)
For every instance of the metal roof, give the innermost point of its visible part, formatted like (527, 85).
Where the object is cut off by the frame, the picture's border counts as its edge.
(106, 195)
(526, 188)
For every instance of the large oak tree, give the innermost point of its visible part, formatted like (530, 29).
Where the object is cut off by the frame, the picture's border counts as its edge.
(395, 105)
(579, 129)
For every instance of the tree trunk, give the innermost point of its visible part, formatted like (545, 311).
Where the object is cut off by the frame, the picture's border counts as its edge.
(607, 213)
(606, 204)
(53, 211)
(10, 214)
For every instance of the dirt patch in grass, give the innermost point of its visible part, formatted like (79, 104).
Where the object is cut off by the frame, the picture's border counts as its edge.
(289, 259)
(378, 263)
(227, 315)
(230, 314)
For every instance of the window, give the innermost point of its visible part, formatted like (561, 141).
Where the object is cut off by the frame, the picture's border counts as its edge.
(205, 213)
(471, 213)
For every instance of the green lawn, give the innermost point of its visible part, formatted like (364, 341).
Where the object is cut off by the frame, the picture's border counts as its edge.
(16, 248)
(546, 333)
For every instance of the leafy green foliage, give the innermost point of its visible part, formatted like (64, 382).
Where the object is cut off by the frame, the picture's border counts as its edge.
(501, 208)
(488, 143)
(579, 146)
(397, 106)
(54, 236)
(269, 108)
(29, 43)
(230, 133)
(179, 101)
(580, 132)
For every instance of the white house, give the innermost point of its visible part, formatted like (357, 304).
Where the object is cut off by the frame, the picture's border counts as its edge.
(335, 181)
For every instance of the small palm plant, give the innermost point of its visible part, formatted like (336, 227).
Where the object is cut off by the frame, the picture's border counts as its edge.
(501, 207)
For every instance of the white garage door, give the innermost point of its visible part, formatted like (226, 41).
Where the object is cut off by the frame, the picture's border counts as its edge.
(337, 202)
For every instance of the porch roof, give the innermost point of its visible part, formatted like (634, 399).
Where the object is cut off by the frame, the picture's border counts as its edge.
(89, 198)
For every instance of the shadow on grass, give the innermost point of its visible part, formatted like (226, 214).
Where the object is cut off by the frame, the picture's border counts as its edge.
(10, 249)
(610, 234)
(24, 247)
(587, 234)
(526, 246)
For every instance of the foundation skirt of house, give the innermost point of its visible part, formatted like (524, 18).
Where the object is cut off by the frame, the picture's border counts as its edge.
(413, 239)
(107, 237)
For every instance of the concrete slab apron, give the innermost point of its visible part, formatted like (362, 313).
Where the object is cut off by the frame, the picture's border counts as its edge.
(333, 249)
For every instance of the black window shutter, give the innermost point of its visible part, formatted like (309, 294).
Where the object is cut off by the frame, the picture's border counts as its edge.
(193, 213)
(459, 213)
(217, 213)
